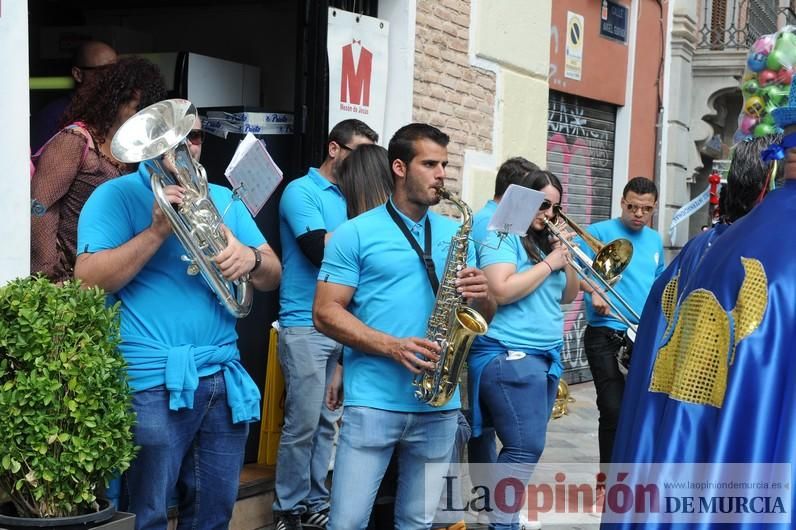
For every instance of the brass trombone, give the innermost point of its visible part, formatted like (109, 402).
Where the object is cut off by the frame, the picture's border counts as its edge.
(610, 259)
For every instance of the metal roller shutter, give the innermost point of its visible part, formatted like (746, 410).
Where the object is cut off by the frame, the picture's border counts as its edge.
(580, 151)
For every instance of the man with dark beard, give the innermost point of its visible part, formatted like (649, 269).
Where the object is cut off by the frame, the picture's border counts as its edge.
(311, 208)
(375, 295)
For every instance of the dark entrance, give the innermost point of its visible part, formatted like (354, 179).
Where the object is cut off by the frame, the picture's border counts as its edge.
(284, 39)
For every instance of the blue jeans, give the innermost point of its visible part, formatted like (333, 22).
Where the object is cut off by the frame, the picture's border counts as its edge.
(367, 441)
(518, 397)
(198, 451)
(308, 359)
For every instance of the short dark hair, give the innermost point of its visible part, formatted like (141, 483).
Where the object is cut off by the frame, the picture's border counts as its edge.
(344, 132)
(747, 176)
(83, 52)
(513, 171)
(402, 142)
(640, 186)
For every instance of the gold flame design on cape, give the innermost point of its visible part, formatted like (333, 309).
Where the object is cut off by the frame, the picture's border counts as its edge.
(693, 364)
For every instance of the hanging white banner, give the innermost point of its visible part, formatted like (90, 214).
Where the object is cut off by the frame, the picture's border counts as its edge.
(357, 47)
(687, 210)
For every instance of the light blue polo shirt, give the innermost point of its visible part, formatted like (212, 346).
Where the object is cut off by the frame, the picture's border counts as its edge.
(393, 295)
(308, 203)
(637, 278)
(481, 221)
(534, 321)
(164, 311)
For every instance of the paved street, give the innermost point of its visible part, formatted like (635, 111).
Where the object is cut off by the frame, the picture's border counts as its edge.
(573, 439)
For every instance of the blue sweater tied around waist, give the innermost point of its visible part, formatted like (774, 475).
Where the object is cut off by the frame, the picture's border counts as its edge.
(179, 368)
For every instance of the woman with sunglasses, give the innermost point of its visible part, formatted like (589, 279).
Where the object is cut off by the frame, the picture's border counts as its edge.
(514, 369)
(78, 159)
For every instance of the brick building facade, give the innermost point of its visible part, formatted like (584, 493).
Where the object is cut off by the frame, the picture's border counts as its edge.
(449, 92)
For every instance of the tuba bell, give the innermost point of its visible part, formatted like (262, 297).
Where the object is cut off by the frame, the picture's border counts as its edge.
(156, 136)
(563, 399)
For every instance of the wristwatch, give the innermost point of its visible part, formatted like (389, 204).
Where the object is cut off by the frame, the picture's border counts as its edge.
(258, 258)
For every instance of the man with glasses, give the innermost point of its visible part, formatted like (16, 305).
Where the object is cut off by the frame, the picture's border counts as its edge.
(605, 333)
(311, 208)
(89, 57)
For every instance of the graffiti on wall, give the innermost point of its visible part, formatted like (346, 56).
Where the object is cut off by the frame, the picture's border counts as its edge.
(580, 153)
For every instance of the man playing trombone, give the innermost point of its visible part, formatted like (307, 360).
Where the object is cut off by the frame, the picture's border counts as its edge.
(606, 330)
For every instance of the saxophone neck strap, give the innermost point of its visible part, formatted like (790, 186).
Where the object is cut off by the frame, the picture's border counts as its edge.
(423, 254)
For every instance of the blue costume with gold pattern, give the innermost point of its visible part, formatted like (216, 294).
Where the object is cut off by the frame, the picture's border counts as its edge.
(713, 375)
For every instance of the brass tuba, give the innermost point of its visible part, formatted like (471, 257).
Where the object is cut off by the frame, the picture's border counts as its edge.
(452, 324)
(156, 135)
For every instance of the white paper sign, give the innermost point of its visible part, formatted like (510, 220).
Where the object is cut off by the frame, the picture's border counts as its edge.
(516, 210)
(357, 47)
(253, 173)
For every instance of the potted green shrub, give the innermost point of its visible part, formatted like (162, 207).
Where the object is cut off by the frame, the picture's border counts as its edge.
(65, 415)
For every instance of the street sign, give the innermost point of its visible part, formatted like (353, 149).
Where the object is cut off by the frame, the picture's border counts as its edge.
(613, 21)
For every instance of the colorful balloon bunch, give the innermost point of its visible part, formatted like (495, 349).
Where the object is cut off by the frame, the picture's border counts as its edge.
(766, 82)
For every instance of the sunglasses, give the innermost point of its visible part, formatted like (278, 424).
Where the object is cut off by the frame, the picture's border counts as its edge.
(546, 204)
(344, 147)
(196, 136)
(633, 208)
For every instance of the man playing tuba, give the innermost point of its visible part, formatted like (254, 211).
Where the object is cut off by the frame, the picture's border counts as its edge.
(192, 397)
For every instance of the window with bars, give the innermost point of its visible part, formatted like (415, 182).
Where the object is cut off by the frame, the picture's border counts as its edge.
(736, 24)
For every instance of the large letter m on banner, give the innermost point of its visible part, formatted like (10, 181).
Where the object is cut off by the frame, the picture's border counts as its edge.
(355, 82)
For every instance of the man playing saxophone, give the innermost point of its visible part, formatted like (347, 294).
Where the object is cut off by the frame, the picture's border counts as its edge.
(192, 397)
(374, 295)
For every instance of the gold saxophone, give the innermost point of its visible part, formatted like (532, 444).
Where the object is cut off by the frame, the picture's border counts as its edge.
(452, 324)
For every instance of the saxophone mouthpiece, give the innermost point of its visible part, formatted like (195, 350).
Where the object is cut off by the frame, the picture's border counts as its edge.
(443, 193)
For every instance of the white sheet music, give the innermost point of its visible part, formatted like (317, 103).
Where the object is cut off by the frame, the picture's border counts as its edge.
(253, 173)
(516, 209)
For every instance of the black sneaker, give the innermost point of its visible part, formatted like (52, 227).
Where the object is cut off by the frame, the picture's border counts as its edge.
(288, 521)
(315, 520)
